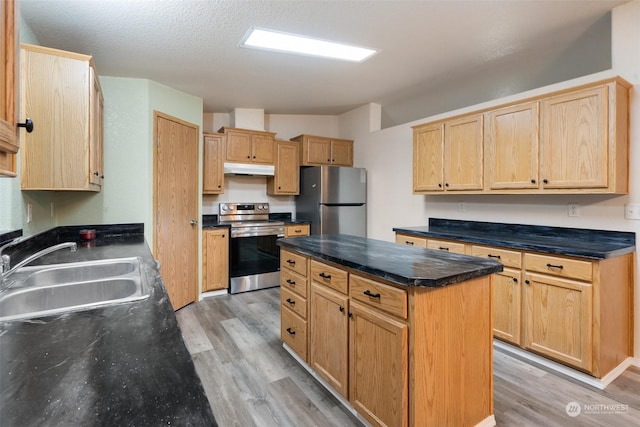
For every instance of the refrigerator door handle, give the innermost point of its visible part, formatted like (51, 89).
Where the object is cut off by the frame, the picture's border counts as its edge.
(341, 204)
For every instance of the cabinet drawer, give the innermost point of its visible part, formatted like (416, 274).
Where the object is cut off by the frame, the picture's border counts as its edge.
(294, 282)
(293, 261)
(293, 302)
(374, 294)
(293, 331)
(332, 277)
(445, 245)
(506, 257)
(559, 266)
(405, 239)
(296, 230)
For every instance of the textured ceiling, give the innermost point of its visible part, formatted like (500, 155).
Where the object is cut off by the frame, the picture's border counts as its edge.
(192, 45)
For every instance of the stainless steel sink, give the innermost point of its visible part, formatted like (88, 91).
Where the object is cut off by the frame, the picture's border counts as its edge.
(45, 290)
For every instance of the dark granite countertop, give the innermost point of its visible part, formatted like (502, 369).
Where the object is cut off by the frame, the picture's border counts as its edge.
(594, 244)
(120, 365)
(404, 265)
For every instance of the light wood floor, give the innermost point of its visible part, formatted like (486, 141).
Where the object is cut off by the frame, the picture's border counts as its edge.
(250, 380)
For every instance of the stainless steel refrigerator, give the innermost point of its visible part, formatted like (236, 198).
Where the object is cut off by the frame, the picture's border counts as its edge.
(334, 199)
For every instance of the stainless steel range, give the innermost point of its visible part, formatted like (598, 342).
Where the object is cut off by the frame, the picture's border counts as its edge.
(254, 257)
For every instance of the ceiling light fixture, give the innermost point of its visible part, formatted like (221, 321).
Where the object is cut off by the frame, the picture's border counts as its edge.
(259, 38)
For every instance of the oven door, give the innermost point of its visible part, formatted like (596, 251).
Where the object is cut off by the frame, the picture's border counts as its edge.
(254, 263)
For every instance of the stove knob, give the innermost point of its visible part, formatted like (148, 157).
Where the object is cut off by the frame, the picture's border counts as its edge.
(223, 207)
(260, 207)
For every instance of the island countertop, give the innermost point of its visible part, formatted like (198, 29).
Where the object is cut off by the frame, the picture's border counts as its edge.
(400, 264)
(122, 364)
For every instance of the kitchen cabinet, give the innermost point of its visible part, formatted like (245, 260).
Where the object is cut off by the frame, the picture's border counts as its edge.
(572, 141)
(286, 179)
(511, 147)
(405, 239)
(329, 341)
(213, 163)
(294, 294)
(215, 253)
(320, 150)
(583, 139)
(294, 230)
(249, 146)
(448, 155)
(62, 95)
(446, 245)
(9, 141)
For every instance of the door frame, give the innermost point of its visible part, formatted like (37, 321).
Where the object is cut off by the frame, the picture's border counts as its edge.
(197, 243)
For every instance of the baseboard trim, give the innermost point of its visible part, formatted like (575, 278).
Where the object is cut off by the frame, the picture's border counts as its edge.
(213, 294)
(326, 385)
(490, 421)
(565, 370)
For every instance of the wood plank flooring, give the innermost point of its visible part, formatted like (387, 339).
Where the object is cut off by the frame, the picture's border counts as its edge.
(250, 380)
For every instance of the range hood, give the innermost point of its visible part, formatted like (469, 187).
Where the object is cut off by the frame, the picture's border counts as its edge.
(248, 169)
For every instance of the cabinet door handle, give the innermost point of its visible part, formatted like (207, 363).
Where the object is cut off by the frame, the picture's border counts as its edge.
(291, 282)
(533, 181)
(446, 184)
(291, 262)
(440, 185)
(291, 331)
(560, 267)
(290, 301)
(527, 282)
(515, 279)
(350, 314)
(370, 294)
(442, 248)
(408, 243)
(494, 256)
(341, 309)
(28, 125)
(545, 181)
(325, 276)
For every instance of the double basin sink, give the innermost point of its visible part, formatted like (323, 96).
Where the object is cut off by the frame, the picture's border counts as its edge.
(45, 290)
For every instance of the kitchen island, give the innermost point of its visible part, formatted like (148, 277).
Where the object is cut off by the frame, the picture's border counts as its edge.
(402, 335)
(118, 365)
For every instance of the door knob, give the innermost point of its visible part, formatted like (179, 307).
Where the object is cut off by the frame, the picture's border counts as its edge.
(193, 222)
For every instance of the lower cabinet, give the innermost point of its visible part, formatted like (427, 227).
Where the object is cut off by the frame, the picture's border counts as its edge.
(293, 230)
(507, 300)
(215, 255)
(294, 306)
(379, 372)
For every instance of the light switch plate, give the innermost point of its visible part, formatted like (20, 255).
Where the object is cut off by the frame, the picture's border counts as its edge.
(574, 209)
(632, 211)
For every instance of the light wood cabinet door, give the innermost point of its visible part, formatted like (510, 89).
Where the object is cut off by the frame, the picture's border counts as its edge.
(262, 149)
(61, 153)
(316, 150)
(507, 303)
(341, 152)
(379, 372)
(463, 153)
(286, 179)
(9, 142)
(511, 147)
(215, 253)
(329, 336)
(574, 139)
(238, 146)
(558, 319)
(428, 152)
(213, 164)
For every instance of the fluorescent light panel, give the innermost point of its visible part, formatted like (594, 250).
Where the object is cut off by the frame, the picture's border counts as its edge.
(302, 45)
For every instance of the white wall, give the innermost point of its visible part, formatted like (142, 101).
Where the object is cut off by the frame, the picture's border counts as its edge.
(387, 155)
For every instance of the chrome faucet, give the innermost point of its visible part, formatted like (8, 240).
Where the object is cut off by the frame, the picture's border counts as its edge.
(6, 270)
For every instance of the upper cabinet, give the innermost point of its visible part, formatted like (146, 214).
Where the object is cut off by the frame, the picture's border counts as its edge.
(286, 179)
(572, 141)
(249, 146)
(213, 163)
(61, 94)
(320, 150)
(448, 155)
(9, 142)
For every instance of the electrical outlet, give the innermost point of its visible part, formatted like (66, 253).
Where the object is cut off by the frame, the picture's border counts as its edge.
(461, 207)
(632, 211)
(574, 209)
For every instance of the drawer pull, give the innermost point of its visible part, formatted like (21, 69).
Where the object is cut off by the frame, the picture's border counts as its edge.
(291, 331)
(442, 248)
(555, 266)
(290, 301)
(325, 276)
(372, 295)
(291, 282)
(408, 243)
(494, 256)
(291, 262)
(297, 230)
